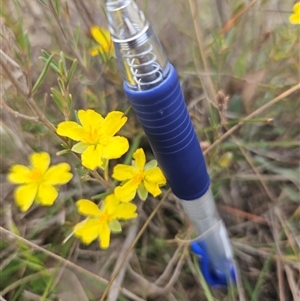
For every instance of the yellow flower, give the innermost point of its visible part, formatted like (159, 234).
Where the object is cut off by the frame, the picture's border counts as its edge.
(101, 222)
(96, 136)
(38, 181)
(295, 17)
(124, 198)
(140, 177)
(102, 37)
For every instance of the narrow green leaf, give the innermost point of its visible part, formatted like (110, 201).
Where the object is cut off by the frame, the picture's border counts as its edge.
(58, 99)
(61, 85)
(71, 72)
(44, 2)
(64, 64)
(43, 74)
(69, 103)
(57, 6)
(17, 293)
(203, 283)
(45, 54)
(61, 69)
(53, 65)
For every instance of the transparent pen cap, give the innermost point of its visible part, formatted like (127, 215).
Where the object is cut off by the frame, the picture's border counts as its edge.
(141, 59)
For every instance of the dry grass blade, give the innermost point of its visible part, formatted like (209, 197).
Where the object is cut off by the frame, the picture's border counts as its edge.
(68, 263)
(233, 20)
(113, 277)
(113, 293)
(252, 115)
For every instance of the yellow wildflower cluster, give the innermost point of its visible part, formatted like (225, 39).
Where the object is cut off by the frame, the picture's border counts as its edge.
(96, 141)
(139, 177)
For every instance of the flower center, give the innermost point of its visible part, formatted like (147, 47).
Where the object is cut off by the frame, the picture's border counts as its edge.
(104, 218)
(138, 177)
(92, 136)
(35, 175)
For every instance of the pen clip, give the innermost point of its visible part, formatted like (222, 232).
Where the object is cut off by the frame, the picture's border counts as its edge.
(213, 277)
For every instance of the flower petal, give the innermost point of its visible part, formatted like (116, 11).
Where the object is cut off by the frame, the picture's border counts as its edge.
(19, 174)
(115, 147)
(104, 236)
(155, 175)
(87, 230)
(140, 158)
(58, 174)
(115, 226)
(40, 161)
(87, 208)
(152, 187)
(46, 194)
(111, 201)
(113, 123)
(125, 211)
(25, 195)
(102, 37)
(71, 130)
(90, 119)
(123, 172)
(295, 18)
(96, 50)
(126, 195)
(126, 191)
(296, 7)
(92, 157)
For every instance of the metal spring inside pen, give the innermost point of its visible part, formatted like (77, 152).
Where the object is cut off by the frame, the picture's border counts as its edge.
(140, 57)
(143, 64)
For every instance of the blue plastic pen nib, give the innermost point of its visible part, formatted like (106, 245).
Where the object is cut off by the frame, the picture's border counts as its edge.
(213, 277)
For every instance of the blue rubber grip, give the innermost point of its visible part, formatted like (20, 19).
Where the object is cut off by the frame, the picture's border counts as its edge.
(163, 114)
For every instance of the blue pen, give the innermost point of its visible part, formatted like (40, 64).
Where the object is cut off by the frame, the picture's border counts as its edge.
(152, 87)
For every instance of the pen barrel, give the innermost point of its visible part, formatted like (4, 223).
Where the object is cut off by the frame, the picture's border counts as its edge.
(163, 114)
(202, 212)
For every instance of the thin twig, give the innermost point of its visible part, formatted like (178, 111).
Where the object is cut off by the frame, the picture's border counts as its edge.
(151, 288)
(177, 271)
(113, 277)
(168, 270)
(4, 59)
(26, 94)
(293, 286)
(15, 113)
(253, 114)
(256, 251)
(230, 23)
(113, 293)
(279, 265)
(254, 168)
(207, 84)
